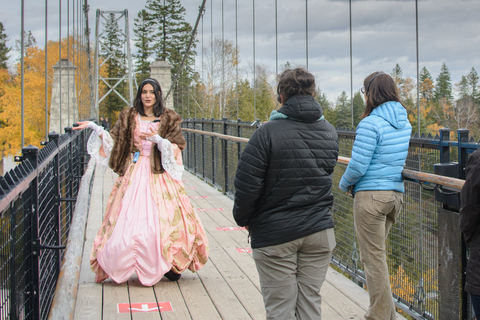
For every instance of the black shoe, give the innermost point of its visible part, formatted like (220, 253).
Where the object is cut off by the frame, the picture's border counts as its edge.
(172, 276)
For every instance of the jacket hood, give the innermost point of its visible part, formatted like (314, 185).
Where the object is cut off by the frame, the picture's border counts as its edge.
(303, 108)
(393, 112)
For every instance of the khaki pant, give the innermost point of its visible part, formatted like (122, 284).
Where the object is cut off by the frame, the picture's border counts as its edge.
(374, 213)
(291, 275)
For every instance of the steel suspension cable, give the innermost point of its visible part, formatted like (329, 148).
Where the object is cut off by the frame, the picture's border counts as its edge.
(351, 59)
(46, 70)
(68, 63)
(60, 60)
(276, 40)
(236, 54)
(222, 96)
(22, 71)
(306, 34)
(254, 70)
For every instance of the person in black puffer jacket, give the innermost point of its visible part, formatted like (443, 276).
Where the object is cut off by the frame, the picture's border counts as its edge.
(284, 198)
(470, 226)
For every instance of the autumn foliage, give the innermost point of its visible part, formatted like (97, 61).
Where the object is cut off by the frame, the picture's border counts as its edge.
(35, 127)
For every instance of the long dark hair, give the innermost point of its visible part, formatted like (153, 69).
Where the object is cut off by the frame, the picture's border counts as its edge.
(158, 107)
(379, 88)
(292, 82)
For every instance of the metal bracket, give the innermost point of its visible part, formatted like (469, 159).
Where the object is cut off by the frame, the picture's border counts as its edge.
(18, 158)
(37, 246)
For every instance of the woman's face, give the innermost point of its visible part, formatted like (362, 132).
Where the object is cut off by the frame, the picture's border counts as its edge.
(148, 96)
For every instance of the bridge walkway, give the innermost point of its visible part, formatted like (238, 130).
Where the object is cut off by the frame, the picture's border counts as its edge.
(226, 288)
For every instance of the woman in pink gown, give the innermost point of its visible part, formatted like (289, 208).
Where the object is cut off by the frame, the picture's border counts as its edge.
(149, 226)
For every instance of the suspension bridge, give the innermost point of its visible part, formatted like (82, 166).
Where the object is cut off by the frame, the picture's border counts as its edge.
(52, 202)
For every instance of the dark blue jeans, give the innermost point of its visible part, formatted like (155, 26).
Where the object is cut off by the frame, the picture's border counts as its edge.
(476, 305)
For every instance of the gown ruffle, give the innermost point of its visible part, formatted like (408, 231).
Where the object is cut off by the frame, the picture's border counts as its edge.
(149, 226)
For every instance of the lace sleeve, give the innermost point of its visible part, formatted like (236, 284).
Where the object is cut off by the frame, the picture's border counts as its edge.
(93, 148)
(169, 162)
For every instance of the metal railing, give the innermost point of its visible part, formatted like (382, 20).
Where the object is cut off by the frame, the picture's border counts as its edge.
(37, 199)
(420, 240)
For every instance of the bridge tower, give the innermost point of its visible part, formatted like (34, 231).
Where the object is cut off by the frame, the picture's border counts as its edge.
(104, 54)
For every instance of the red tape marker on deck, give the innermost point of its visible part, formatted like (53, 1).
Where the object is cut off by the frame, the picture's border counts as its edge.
(214, 209)
(244, 250)
(200, 197)
(229, 228)
(144, 307)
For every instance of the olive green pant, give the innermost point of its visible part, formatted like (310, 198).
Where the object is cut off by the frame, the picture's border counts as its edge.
(291, 275)
(374, 213)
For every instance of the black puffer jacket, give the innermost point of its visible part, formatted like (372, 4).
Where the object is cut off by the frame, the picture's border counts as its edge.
(470, 221)
(284, 177)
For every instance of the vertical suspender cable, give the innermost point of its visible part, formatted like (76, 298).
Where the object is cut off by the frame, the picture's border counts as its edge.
(211, 54)
(68, 61)
(60, 60)
(236, 53)
(23, 72)
(254, 71)
(418, 69)
(46, 72)
(222, 96)
(276, 40)
(306, 34)
(203, 76)
(351, 55)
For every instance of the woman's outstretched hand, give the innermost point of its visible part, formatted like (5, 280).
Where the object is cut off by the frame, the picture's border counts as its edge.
(81, 125)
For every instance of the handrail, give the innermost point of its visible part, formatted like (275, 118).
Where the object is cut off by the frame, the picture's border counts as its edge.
(452, 184)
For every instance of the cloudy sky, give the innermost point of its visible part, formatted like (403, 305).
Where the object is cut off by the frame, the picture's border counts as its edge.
(384, 33)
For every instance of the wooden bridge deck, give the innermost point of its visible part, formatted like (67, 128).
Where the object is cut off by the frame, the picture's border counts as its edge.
(226, 288)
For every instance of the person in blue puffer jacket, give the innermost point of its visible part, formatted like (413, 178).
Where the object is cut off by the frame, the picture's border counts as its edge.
(374, 178)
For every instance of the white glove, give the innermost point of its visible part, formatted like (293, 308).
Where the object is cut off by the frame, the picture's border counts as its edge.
(156, 139)
(94, 127)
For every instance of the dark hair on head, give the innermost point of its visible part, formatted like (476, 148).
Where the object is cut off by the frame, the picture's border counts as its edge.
(158, 107)
(379, 88)
(292, 82)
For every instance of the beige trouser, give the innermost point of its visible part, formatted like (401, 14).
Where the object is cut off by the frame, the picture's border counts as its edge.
(374, 213)
(291, 275)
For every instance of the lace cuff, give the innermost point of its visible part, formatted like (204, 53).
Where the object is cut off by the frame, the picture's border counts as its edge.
(168, 160)
(93, 148)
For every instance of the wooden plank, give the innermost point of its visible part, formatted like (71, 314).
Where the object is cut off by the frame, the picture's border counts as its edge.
(140, 294)
(198, 302)
(168, 291)
(337, 302)
(89, 302)
(113, 294)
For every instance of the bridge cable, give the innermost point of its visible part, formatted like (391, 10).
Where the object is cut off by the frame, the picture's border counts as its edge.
(60, 61)
(254, 70)
(192, 37)
(351, 63)
(46, 71)
(276, 40)
(23, 72)
(306, 34)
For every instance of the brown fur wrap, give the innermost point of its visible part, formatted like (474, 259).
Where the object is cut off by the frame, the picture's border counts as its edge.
(122, 135)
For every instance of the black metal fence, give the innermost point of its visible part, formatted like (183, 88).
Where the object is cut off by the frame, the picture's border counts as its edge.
(415, 257)
(37, 200)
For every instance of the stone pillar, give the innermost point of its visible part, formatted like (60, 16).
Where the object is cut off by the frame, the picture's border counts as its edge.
(160, 71)
(68, 110)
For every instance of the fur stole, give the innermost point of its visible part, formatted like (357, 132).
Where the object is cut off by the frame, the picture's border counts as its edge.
(122, 135)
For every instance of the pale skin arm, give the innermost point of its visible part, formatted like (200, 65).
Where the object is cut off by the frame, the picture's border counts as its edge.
(83, 125)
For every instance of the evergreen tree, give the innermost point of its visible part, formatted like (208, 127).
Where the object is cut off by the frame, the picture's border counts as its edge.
(29, 41)
(358, 107)
(397, 75)
(426, 85)
(343, 111)
(170, 33)
(4, 50)
(143, 33)
(473, 84)
(115, 68)
(443, 88)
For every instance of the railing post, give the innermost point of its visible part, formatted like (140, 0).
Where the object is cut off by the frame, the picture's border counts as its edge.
(69, 131)
(203, 149)
(194, 146)
(54, 136)
(213, 152)
(462, 152)
(239, 134)
(452, 302)
(33, 263)
(225, 156)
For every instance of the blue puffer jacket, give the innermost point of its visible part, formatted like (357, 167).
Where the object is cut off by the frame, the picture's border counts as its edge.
(380, 150)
